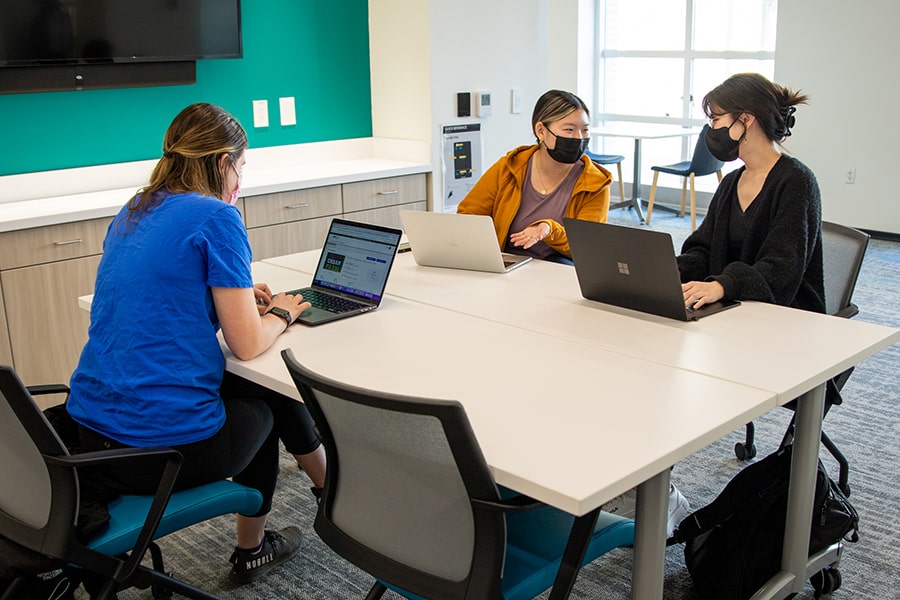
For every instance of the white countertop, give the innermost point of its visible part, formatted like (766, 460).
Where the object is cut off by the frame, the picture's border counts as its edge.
(265, 173)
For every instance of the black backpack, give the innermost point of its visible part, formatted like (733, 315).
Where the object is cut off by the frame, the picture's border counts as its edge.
(733, 545)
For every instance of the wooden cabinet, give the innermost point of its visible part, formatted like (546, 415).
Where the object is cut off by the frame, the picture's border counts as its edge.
(380, 193)
(43, 271)
(5, 350)
(288, 222)
(288, 238)
(296, 221)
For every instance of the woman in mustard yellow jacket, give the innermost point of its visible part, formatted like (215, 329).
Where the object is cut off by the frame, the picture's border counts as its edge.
(531, 189)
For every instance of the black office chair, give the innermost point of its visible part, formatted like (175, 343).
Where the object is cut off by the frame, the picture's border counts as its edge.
(702, 163)
(843, 251)
(409, 499)
(40, 502)
(611, 159)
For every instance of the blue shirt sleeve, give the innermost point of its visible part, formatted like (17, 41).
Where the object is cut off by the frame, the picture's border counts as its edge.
(223, 239)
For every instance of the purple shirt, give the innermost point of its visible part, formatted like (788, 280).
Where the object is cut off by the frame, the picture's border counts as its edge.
(539, 207)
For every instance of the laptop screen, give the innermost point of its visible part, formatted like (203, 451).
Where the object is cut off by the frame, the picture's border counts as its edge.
(356, 259)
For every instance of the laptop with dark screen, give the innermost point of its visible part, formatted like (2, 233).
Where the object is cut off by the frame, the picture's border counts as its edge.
(631, 268)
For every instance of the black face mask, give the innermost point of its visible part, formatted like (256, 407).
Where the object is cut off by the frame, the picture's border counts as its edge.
(720, 143)
(567, 150)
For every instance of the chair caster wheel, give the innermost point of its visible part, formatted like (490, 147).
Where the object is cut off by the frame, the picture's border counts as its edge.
(743, 452)
(826, 581)
(160, 593)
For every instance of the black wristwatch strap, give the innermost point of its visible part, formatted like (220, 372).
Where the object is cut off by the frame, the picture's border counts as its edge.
(280, 312)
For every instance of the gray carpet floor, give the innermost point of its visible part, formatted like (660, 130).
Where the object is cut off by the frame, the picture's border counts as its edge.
(866, 427)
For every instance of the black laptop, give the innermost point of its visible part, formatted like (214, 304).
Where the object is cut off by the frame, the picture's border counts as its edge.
(631, 268)
(352, 271)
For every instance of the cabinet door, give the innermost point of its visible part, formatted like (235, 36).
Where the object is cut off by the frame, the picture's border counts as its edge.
(388, 216)
(295, 205)
(65, 241)
(5, 351)
(378, 193)
(288, 238)
(47, 328)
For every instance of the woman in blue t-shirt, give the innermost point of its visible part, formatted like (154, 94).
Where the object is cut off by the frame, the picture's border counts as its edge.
(176, 269)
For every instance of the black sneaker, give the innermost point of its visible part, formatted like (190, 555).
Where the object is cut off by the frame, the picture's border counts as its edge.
(278, 547)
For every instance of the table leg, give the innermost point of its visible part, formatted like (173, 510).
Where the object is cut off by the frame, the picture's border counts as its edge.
(636, 181)
(804, 465)
(582, 530)
(635, 200)
(651, 516)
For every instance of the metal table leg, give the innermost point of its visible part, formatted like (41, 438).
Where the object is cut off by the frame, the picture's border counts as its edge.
(651, 517)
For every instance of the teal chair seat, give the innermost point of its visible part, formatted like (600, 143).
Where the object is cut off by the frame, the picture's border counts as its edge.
(127, 513)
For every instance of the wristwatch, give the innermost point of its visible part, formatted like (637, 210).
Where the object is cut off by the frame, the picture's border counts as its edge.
(280, 312)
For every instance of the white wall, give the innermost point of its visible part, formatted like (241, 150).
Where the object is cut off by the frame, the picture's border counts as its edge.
(846, 60)
(423, 53)
(846, 57)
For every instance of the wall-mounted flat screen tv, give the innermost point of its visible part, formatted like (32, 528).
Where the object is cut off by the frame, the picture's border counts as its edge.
(72, 32)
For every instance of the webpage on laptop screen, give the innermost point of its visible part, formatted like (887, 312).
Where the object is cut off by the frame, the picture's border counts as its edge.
(356, 261)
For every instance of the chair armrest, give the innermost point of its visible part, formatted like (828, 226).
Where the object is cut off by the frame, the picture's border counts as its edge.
(170, 469)
(52, 388)
(519, 503)
(87, 459)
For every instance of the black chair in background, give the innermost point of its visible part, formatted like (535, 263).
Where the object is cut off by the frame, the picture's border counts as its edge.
(40, 501)
(702, 163)
(409, 499)
(843, 251)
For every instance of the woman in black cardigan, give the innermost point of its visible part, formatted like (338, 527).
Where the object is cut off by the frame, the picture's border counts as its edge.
(761, 238)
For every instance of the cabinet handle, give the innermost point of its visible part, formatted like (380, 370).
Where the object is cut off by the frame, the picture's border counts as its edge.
(68, 242)
(294, 206)
(389, 193)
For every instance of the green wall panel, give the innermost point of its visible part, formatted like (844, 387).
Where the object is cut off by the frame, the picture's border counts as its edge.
(317, 52)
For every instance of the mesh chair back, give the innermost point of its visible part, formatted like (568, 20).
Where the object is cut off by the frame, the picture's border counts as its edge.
(30, 491)
(703, 162)
(843, 250)
(401, 473)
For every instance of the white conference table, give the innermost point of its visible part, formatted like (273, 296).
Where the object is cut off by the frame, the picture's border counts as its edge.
(640, 132)
(565, 437)
(754, 345)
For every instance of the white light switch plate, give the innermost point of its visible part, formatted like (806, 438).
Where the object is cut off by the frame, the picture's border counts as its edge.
(260, 113)
(288, 113)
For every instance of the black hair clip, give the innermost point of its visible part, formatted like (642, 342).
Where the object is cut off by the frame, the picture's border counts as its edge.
(787, 117)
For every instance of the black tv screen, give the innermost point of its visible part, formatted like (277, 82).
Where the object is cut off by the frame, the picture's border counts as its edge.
(71, 32)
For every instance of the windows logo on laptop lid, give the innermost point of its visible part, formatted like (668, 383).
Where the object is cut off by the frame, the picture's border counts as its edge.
(631, 268)
(352, 271)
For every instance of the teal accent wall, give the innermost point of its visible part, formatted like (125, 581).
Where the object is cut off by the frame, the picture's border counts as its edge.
(316, 51)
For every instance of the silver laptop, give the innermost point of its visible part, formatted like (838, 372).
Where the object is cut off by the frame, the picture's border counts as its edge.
(352, 271)
(457, 241)
(631, 268)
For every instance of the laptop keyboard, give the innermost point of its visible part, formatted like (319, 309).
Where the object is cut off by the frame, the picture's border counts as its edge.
(331, 303)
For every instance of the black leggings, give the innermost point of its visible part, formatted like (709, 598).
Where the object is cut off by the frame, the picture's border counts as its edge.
(245, 448)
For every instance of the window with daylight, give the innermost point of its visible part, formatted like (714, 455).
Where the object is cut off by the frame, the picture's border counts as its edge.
(654, 60)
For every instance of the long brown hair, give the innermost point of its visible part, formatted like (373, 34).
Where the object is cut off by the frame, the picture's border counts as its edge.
(194, 142)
